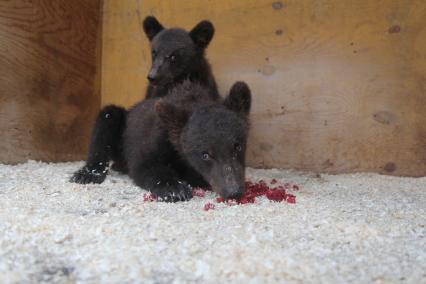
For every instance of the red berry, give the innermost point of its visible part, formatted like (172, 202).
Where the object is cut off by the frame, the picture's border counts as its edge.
(208, 206)
(220, 200)
(276, 195)
(291, 198)
(295, 187)
(273, 181)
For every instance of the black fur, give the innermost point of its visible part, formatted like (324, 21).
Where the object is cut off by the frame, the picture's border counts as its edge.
(202, 34)
(239, 99)
(151, 27)
(177, 56)
(166, 142)
(106, 145)
(188, 138)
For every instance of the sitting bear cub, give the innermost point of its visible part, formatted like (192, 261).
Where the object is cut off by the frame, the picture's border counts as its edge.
(188, 138)
(178, 55)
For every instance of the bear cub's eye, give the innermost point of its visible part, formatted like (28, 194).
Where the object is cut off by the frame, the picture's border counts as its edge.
(172, 58)
(205, 156)
(238, 147)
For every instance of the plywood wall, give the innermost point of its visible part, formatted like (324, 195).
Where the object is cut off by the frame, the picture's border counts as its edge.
(339, 86)
(47, 78)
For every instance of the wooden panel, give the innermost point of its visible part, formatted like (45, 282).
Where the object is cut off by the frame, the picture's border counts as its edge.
(339, 86)
(47, 73)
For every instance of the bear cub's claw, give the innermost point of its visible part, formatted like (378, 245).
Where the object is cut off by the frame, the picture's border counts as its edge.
(173, 193)
(85, 176)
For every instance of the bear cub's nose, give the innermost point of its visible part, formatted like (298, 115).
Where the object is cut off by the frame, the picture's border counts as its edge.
(233, 193)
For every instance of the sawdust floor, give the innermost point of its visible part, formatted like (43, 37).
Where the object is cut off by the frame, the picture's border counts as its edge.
(344, 228)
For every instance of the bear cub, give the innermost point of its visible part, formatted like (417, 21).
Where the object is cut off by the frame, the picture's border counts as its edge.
(186, 139)
(178, 55)
(189, 139)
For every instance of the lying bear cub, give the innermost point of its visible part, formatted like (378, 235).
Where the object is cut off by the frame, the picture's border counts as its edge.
(184, 139)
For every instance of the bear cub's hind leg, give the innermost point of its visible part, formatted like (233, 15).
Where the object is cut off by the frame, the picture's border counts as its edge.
(106, 144)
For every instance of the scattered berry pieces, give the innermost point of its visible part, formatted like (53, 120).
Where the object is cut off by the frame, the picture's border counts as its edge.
(253, 190)
(208, 206)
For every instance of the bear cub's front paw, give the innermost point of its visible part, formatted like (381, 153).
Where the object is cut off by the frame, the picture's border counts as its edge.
(85, 176)
(168, 192)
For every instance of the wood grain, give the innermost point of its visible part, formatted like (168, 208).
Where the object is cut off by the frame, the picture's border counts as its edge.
(47, 78)
(339, 86)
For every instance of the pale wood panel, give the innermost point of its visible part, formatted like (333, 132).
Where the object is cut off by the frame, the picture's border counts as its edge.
(339, 86)
(47, 76)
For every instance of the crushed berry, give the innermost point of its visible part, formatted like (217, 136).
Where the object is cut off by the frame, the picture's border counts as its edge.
(247, 199)
(220, 200)
(275, 194)
(149, 197)
(291, 198)
(260, 188)
(208, 206)
(196, 191)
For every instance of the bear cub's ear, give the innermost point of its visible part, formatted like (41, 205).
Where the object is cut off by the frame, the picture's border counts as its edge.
(152, 27)
(239, 98)
(173, 119)
(202, 33)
